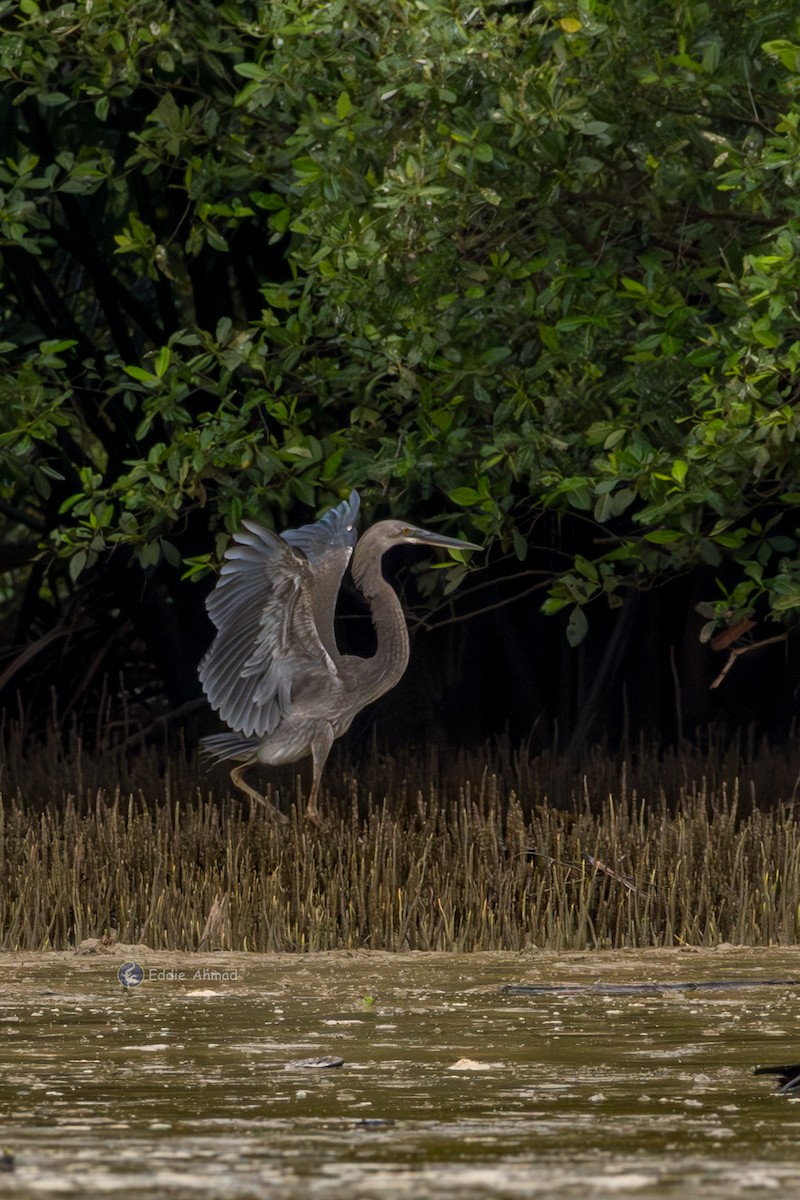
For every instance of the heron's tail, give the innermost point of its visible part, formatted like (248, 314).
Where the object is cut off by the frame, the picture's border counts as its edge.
(221, 746)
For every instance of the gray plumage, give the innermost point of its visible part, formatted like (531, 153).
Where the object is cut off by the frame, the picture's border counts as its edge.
(274, 672)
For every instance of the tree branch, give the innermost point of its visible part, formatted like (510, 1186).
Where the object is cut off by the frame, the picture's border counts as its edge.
(734, 654)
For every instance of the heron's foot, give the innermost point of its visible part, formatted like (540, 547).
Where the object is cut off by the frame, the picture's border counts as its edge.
(273, 813)
(313, 815)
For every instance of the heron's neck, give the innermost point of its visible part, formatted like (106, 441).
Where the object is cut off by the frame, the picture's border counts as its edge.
(388, 664)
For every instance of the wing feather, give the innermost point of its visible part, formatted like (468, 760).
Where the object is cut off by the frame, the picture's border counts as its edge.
(328, 545)
(273, 608)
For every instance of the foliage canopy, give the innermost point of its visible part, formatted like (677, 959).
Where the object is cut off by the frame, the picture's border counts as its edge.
(480, 260)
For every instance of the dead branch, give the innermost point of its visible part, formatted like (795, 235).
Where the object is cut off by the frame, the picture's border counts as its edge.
(734, 654)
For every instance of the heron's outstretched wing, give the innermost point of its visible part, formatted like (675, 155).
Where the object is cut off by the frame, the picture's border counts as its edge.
(335, 531)
(328, 545)
(271, 593)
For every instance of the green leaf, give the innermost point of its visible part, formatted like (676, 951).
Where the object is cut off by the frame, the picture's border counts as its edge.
(77, 563)
(586, 568)
(162, 361)
(495, 355)
(344, 106)
(169, 552)
(787, 52)
(252, 71)
(149, 554)
(577, 626)
(663, 537)
(787, 600)
(141, 375)
(579, 496)
(53, 99)
(465, 496)
(603, 508)
(633, 286)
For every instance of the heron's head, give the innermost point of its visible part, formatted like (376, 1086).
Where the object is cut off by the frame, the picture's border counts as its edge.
(384, 536)
(387, 534)
(427, 537)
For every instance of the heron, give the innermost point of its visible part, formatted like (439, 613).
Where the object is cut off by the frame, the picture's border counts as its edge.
(274, 671)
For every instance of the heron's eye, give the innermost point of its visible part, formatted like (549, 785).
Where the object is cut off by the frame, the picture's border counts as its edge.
(405, 531)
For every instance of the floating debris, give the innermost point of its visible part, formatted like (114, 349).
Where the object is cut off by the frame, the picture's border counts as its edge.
(788, 1077)
(326, 1060)
(643, 989)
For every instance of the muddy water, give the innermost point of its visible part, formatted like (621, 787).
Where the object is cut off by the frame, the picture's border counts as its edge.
(185, 1086)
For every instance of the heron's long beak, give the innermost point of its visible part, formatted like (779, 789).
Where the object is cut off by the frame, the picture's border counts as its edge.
(426, 538)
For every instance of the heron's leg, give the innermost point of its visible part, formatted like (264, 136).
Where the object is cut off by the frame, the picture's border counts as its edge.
(320, 749)
(238, 781)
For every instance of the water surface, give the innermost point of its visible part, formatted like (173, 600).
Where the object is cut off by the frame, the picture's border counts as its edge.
(186, 1085)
